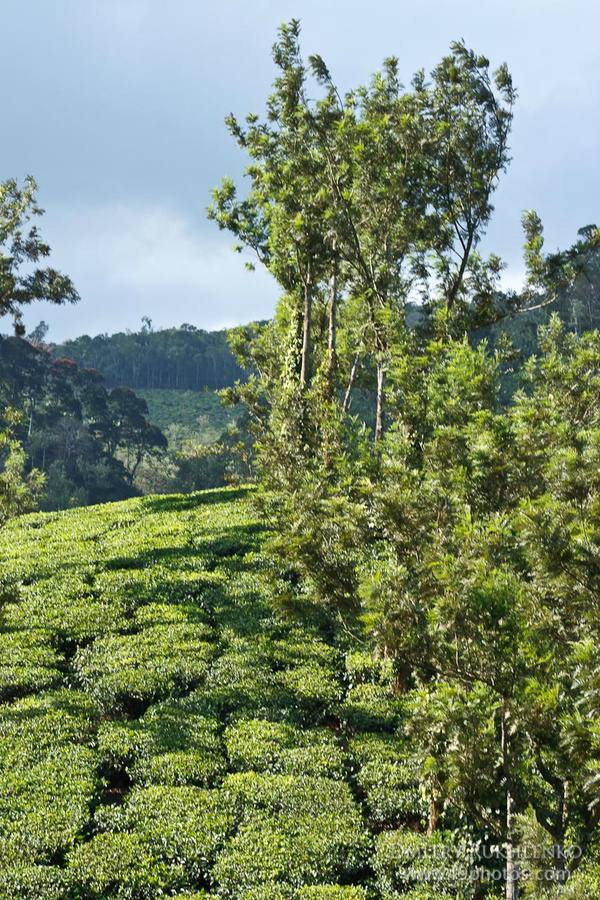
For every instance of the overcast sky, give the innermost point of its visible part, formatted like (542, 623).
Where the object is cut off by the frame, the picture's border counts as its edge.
(116, 108)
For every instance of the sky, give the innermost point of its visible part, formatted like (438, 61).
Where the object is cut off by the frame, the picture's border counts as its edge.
(116, 108)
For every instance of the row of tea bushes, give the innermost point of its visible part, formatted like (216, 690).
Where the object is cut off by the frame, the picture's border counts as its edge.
(164, 733)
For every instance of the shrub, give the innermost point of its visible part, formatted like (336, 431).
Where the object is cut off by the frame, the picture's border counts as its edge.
(370, 707)
(422, 867)
(241, 682)
(388, 777)
(295, 830)
(263, 746)
(119, 867)
(182, 827)
(27, 663)
(269, 892)
(127, 672)
(173, 743)
(47, 779)
(49, 804)
(183, 748)
(183, 767)
(121, 745)
(29, 882)
(363, 668)
(315, 692)
(293, 794)
(293, 849)
(392, 792)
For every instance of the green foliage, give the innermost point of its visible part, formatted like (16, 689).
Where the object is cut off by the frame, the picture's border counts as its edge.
(29, 882)
(419, 867)
(172, 744)
(27, 663)
(278, 747)
(20, 491)
(119, 867)
(296, 830)
(48, 780)
(124, 672)
(183, 827)
(160, 608)
(370, 706)
(88, 442)
(389, 778)
(227, 748)
(22, 246)
(164, 360)
(199, 415)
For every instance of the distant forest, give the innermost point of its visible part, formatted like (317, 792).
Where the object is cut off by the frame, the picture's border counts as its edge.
(185, 358)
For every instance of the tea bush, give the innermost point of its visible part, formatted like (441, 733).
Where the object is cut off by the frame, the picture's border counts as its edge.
(370, 707)
(264, 746)
(164, 732)
(183, 827)
(48, 779)
(291, 848)
(387, 777)
(119, 867)
(125, 672)
(422, 867)
(31, 882)
(27, 663)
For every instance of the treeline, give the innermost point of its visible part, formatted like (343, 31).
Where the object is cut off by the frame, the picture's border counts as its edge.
(87, 441)
(185, 358)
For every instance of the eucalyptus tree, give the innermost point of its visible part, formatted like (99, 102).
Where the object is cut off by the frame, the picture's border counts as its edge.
(469, 111)
(283, 217)
(355, 198)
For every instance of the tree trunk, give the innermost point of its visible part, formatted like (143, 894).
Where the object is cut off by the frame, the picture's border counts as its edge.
(512, 867)
(347, 398)
(461, 273)
(305, 370)
(31, 409)
(561, 873)
(331, 350)
(380, 411)
(435, 810)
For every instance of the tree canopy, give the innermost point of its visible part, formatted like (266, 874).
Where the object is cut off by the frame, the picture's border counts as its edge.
(22, 281)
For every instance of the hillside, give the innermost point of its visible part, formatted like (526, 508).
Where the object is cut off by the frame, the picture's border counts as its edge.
(198, 414)
(185, 358)
(163, 732)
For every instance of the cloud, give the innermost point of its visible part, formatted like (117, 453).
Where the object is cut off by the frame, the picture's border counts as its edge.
(132, 261)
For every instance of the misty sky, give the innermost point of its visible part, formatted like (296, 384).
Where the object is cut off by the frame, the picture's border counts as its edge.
(116, 108)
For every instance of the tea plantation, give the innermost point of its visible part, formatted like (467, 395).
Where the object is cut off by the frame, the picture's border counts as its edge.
(164, 733)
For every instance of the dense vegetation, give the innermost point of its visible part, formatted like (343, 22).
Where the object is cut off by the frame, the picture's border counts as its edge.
(459, 535)
(185, 358)
(93, 444)
(87, 441)
(164, 732)
(377, 678)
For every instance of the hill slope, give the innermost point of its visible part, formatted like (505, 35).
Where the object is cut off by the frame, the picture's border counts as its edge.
(163, 732)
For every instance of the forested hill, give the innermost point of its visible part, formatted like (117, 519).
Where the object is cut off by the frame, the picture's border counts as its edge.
(186, 358)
